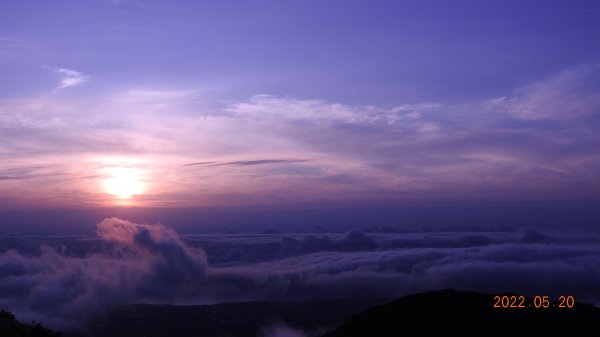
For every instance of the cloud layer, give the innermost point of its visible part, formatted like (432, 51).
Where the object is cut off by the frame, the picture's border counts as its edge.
(66, 285)
(538, 143)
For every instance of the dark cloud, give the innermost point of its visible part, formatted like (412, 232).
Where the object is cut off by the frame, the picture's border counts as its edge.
(531, 235)
(475, 228)
(32, 176)
(457, 241)
(246, 162)
(201, 163)
(22, 170)
(352, 241)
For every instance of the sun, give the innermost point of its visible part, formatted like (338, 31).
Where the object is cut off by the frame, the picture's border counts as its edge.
(124, 182)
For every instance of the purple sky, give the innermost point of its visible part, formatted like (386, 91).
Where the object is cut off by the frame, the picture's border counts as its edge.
(285, 103)
(462, 139)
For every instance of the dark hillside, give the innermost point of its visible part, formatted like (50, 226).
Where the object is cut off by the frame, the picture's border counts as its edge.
(460, 313)
(10, 327)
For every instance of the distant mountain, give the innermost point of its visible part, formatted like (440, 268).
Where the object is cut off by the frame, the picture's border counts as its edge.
(10, 327)
(460, 313)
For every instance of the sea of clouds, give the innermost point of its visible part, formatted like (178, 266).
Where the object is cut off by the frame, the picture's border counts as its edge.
(65, 282)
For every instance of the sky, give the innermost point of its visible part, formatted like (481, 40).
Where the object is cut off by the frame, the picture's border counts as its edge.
(357, 148)
(275, 105)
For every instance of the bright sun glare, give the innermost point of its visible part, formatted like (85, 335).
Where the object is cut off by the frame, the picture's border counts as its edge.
(124, 182)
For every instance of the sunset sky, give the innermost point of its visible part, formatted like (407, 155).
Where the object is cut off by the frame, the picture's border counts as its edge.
(221, 151)
(271, 104)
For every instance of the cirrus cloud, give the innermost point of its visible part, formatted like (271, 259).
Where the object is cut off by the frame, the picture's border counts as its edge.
(571, 94)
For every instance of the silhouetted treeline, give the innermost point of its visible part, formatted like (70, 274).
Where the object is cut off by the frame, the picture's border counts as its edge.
(10, 327)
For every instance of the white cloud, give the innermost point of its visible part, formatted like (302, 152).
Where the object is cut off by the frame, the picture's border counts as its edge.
(270, 108)
(405, 151)
(570, 94)
(9, 42)
(69, 77)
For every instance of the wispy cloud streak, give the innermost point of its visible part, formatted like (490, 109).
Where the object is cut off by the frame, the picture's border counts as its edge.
(247, 162)
(69, 77)
(267, 149)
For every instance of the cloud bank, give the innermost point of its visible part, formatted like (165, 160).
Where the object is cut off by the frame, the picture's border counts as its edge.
(135, 263)
(139, 262)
